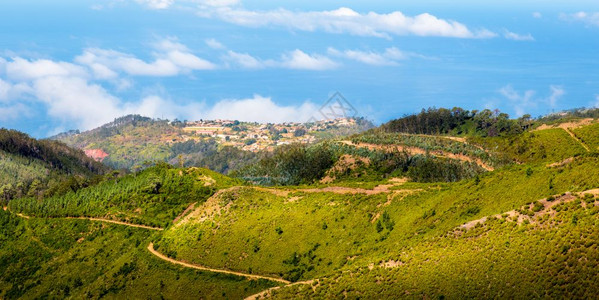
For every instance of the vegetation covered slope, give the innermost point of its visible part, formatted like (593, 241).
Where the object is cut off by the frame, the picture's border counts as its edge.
(300, 164)
(550, 145)
(154, 196)
(306, 233)
(553, 256)
(62, 258)
(588, 135)
(131, 140)
(408, 216)
(34, 167)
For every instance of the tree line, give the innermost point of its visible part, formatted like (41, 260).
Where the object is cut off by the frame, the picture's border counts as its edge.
(459, 121)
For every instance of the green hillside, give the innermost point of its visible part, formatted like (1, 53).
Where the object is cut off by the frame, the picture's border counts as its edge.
(153, 197)
(588, 135)
(381, 214)
(306, 233)
(129, 141)
(554, 256)
(61, 258)
(30, 167)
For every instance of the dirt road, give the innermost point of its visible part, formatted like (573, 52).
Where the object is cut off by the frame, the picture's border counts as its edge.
(99, 220)
(198, 267)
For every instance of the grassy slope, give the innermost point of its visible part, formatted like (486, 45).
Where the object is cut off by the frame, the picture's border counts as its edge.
(58, 258)
(152, 197)
(555, 257)
(588, 134)
(130, 143)
(36, 167)
(244, 236)
(550, 145)
(428, 143)
(261, 232)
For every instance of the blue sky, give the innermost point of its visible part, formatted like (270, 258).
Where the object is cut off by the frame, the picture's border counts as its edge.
(79, 64)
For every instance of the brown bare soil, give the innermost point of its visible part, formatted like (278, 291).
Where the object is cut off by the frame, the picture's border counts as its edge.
(203, 268)
(420, 151)
(567, 125)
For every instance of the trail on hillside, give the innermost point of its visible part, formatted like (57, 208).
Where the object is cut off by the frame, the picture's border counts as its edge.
(462, 140)
(203, 268)
(546, 209)
(576, 138)
(99, 220)
(415, 151)
(181, 215)
(116, 222)
(379, 189)
(267, 292)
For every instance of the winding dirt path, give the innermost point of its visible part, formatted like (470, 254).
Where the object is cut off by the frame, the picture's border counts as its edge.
(98, 220)
(203, 268)
(416, 150)
(379, 189)
(462, 140)
(116, 222)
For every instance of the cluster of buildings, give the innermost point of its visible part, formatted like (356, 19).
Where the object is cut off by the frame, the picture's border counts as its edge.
(256, 136)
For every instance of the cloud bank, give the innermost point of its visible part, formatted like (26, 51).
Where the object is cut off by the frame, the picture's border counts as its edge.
(74, 93)
(171, 59)
(347, 21)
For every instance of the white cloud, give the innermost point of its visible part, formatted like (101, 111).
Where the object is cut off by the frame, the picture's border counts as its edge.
(300, 60)
(156, 4)
(523, 102)
(214, 44)
(13, 112)
(157, 107)
(74, 99)
(537, 15)
(79, 102)
(296, 59)
(22, 69)
(72, 96)
(387, 58)
(218, 3)
(171, 59)
(520, 102)
(2, 66)
(556, 93)
(101, 71)
(518, 37)
(261, 109)
(244, 60)
(589, 18)
(5, 88)
(346, 20)
(596, 101)
(85, 105)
